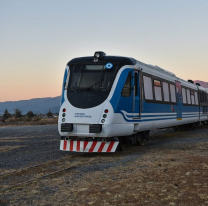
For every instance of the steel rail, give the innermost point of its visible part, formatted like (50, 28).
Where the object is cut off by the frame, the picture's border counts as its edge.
(33, 179)
(26, 168)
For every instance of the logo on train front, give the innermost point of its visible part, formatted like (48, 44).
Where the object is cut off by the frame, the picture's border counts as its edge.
(109, 66)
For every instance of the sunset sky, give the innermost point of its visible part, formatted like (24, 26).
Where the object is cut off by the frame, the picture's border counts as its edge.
(39, 37)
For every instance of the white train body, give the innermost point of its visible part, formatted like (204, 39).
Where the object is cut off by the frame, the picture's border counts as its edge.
(100, 104)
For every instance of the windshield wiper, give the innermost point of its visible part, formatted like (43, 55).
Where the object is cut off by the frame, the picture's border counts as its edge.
(74, 88)
(94, 84)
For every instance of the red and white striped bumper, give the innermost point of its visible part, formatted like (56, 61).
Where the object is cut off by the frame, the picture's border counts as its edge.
(88, 146)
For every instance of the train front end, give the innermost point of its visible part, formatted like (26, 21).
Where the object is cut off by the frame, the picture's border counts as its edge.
(87, 122)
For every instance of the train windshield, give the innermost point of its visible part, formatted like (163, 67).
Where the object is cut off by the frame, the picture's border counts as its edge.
(91, 77)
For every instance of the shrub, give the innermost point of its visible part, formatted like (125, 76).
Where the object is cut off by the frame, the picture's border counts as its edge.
(17, 113)
(6, 114)
(30, 114)
(49, 114)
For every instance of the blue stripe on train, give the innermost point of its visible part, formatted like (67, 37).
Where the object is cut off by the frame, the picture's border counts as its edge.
(63, 87)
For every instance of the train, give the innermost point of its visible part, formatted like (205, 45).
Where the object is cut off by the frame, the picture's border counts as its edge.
(111, 102)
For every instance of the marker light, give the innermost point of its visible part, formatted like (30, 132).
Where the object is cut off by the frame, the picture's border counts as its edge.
(106, 111)
(63, 120)
(63, 115)
(105, 115)
(64, 110)
(97, 55)
(102, 120)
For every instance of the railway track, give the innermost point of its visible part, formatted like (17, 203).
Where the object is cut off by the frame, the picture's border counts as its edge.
(26, 175)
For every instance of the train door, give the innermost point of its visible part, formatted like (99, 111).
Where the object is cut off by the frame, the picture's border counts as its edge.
(179, 100)
(136, 102)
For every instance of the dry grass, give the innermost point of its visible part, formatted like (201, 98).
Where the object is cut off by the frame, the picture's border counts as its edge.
(33, 121)
(176, 176)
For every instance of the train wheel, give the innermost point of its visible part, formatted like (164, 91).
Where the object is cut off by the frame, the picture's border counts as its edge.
(122, 146)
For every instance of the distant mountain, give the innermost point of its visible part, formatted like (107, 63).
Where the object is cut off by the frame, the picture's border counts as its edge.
(38, 105)
(203, 84)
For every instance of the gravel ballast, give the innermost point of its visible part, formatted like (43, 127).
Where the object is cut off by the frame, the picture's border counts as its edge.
(171, 169)
(22, 146)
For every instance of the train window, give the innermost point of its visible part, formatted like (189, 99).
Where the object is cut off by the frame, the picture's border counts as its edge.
(188, 96)
(158, 90)
(205, 97)
(184, 95)
(75, 75)
(200, 96)
(172, 93)
(196, 98)
(148, 88)
(126, 91)
(136, 83)
(166, 92)
(192, 98)
(157, 83)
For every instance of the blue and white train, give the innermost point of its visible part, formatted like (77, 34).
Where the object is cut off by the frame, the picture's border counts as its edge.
(110, 101)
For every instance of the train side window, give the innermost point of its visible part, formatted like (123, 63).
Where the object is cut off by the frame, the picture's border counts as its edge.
(184, 95)
(126, 91)
(166, 92)
(188, 96)
(192, 98)
(148, 88)
(158, 90)
(136, 83)
(172, 93)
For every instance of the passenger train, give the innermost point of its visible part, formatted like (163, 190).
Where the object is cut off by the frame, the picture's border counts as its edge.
(109, 102)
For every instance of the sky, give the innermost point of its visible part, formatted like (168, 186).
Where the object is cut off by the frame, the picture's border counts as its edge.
(39, 37)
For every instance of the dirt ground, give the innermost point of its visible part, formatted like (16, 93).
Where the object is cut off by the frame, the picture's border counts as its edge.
(172, 169)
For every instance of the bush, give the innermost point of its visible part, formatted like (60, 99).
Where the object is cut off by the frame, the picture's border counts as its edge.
(30, 114)
(49, 114)
(6, 114)
(17, 113)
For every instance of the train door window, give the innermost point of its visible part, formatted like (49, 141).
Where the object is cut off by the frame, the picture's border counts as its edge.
(166, 92)
(200, 96)
(204, 97)
(192, 97)
(136, 83)
(148, 88)
(126, 91)
(172, 93)
(158, 90)
(207, 98)
(196, 98)
(188, 96)
(184, 95)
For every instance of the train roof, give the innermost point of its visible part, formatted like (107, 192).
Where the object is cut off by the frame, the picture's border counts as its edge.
(157, 68)
(122, 60)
